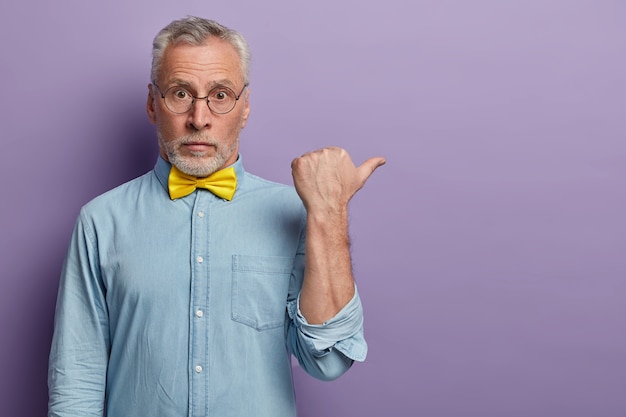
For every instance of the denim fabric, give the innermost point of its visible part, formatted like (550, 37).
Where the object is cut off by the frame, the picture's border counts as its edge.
(189, 307)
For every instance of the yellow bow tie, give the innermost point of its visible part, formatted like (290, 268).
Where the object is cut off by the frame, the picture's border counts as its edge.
(221, 183)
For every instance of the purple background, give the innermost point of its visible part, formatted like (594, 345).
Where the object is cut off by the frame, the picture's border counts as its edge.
(490, 250)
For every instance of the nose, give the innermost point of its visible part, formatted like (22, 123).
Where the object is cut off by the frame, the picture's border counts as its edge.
(200, 115)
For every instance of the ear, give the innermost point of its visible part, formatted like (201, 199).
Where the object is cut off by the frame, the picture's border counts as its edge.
(246, 109)
(150, 109)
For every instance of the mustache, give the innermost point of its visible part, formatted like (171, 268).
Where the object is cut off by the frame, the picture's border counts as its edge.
(196, 138)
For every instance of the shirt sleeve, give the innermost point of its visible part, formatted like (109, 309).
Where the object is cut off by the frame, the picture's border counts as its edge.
(326, 351)
(80, 345)
(343, 332)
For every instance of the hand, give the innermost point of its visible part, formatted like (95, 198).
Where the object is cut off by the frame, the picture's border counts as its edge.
(326, 179)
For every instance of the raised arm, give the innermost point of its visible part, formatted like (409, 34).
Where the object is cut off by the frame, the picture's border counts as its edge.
(326, 180)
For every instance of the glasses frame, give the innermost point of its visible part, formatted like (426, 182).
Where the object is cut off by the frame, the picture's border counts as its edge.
(205, 98)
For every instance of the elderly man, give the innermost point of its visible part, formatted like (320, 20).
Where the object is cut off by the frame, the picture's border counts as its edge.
(185, 291)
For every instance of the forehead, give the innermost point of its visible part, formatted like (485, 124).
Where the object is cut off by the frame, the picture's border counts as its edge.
(201, 64)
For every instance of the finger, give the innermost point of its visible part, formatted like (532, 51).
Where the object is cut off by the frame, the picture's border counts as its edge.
(368, 167)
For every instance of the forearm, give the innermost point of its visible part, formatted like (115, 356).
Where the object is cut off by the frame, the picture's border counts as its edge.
(328, 281)
(326, 180)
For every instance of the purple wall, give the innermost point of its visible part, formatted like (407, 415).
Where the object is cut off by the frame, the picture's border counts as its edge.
(490, 250)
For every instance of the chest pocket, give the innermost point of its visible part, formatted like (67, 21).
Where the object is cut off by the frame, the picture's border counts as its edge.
(259, 292)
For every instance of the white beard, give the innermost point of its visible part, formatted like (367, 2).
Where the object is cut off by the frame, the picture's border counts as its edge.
(196, 164)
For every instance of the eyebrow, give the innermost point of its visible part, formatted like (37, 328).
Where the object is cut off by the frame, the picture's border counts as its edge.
(224, 82)
(179, 82)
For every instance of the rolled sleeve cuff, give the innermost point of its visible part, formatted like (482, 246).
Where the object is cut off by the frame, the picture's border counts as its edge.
(343, 332)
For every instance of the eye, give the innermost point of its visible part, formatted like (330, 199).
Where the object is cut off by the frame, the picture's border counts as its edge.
(181, 94)
(220, 95)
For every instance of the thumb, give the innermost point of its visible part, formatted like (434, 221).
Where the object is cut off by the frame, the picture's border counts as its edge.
(368, 167)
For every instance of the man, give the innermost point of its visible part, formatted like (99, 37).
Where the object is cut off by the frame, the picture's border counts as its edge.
(179, 301)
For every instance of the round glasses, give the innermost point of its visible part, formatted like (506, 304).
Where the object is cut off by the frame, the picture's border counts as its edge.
(220, 100)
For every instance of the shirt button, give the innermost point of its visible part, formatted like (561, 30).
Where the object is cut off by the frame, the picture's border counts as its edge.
(199, 259)
(198, 369)
(201, 214)
(199, 314)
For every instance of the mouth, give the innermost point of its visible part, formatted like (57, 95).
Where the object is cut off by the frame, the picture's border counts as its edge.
(198, 146)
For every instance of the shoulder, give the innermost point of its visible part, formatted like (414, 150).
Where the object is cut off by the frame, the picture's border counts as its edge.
(124, 196)
(255, 184)
(261, 192)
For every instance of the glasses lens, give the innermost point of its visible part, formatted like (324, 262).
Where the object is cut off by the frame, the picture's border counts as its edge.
(178, 100)
(222, 100)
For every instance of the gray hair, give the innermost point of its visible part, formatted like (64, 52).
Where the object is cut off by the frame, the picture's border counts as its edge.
(194, 30)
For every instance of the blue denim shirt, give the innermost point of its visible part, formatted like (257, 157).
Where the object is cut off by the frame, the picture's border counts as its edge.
(189, 307)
